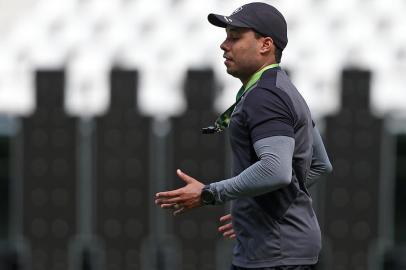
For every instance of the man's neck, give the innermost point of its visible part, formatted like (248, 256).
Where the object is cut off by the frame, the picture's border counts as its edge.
(247, 79)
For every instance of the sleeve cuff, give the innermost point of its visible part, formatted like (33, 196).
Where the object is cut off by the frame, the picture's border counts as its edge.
(218, 190)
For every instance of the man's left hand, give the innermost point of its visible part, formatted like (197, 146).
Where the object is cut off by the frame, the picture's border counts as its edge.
(182, 199)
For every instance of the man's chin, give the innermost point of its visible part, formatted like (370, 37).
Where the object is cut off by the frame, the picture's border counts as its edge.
(232, 72)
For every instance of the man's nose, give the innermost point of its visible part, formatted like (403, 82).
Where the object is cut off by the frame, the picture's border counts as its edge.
(224, 46)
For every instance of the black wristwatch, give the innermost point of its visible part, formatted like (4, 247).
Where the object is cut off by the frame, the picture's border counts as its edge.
(208, 196)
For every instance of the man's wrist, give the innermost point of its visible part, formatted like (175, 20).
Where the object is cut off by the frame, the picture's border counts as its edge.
(208, 195)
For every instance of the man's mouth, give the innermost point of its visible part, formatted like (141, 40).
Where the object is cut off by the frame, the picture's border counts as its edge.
(227, 60)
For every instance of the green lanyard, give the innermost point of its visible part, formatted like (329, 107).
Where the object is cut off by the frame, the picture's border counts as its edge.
(223, 120)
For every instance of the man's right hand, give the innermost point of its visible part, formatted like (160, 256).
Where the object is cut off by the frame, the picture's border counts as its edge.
(227, 229)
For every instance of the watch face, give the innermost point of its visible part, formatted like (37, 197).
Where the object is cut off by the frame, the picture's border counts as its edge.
(207, 197)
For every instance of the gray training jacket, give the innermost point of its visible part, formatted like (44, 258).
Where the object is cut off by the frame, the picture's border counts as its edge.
(272, 135)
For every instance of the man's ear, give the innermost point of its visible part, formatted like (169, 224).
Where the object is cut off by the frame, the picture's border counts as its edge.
(267, 45)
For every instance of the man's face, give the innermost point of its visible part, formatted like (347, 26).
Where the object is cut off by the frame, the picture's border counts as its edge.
(242, 52)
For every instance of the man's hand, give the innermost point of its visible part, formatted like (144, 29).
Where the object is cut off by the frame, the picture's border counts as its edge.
(227, 229)
(181, 199)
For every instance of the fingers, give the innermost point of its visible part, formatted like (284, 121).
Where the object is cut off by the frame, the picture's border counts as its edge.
(179, 211)
(229, 234)
(188, 179)
(176, 192)
(225, 218)
(227, 230)
(226, 227)
(168, 206)
(168, 197)
(232, 236)
(171, 193)
(188, 197)
(168, 201)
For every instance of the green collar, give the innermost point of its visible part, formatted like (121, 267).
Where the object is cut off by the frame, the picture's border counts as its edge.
(223, 120)
(253, 80)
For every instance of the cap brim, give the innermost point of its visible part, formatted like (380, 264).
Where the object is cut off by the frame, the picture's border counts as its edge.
(217, 20)
(221, 21)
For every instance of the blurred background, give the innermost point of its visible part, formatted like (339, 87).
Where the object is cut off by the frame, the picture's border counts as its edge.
(101, 101)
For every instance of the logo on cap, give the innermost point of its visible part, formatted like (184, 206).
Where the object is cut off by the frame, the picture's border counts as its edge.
(227, 19)
(236, 11)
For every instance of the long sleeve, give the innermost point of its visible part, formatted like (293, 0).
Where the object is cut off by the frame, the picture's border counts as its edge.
(272, 171)
(320, 162)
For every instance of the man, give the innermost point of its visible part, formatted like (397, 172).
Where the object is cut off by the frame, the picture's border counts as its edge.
(277, 151)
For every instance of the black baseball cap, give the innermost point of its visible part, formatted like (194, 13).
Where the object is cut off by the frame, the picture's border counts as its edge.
(260, 17)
